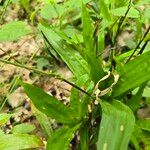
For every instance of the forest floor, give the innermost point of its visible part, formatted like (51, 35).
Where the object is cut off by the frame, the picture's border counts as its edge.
(30, 50)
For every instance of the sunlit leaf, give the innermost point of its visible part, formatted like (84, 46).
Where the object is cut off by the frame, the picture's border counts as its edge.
(104, 9)
(133, 74)
(4, 118)
(23, 128)
(90, 51)
(49, 105)
(70, 56)
(13, 31)
(44, 121)
(60, 139)
(133, 13)
(116, 126)
(19, 141)
(144, 124)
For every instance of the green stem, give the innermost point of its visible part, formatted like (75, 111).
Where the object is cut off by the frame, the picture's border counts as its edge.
(45, 73)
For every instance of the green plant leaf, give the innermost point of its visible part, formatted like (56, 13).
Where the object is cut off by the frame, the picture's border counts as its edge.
(120, 3)
(144, 124)
(146, 92)
(19, 141)
(87, 31)
(49, 11)
(60, 139)
(4, 118)
(104, 10)
(49, 105)
(84, 137)
(116, 126)
(90, 50)
(133, 74)
(43, 120)
(23, 128)
(13, 31)
(133, 13)
(75, 98)
(146, 13)
(71, 57)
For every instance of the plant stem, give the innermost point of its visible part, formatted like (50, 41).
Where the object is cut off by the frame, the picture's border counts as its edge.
(122, 20)
(143, 47)
(45, 73)
(147, 31)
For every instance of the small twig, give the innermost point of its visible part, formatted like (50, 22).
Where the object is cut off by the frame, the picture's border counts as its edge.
(122, 20)
(143, 47)
(46, 74)
(147, 31)
(4, 52)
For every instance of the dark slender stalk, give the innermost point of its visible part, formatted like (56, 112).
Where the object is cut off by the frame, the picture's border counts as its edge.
(122, 20)
(136, 48)
(50, 53)
(46, 74)
(143, 47)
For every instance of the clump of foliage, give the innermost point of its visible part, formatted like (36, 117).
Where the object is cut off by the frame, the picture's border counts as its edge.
(107, 91)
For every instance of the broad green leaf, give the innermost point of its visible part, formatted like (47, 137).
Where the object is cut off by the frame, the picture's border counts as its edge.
(146, 13)
(54, 10)
(60, 139)
(133, 13)
(123, 56)
(75, 98)
(133, 74)
(116, 126)
(146, 92)
(119, 3)
(71, 57)
(90, 46)
(49, 11)
(104, 10)
(49, 105)
(4, 118)
(84, 137)
(19, 141)
(43, 120)
(87, 31)
(23, 128)
(13, 31)
(73, 35)
(144, 124)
